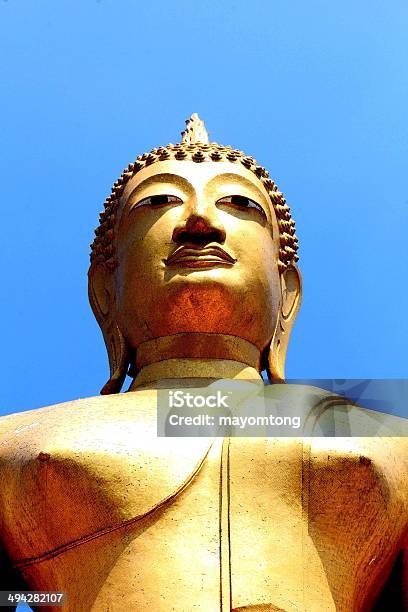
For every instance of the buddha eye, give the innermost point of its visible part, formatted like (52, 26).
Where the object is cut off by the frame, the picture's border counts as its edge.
(241, 202)
(156, 201)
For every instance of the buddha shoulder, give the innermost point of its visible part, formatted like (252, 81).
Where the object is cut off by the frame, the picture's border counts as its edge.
(358, 439)
(98, 458)
(80, 422)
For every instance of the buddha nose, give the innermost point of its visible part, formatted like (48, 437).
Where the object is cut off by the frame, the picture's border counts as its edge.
(199, 228)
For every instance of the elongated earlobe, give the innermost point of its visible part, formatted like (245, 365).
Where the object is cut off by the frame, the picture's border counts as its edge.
(118, 355)
(291, 295)
(101, 298)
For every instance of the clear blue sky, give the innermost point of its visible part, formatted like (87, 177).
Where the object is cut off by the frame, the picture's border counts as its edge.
(317, 91)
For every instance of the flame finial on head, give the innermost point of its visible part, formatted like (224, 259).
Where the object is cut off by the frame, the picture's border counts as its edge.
(195, 131)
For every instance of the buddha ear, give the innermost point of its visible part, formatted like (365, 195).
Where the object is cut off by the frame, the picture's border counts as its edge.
(291, 296)
(101, 292)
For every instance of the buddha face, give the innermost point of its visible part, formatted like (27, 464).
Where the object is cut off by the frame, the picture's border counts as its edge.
(197, 251)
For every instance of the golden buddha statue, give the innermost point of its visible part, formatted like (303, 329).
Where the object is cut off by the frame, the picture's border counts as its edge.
(193, 278)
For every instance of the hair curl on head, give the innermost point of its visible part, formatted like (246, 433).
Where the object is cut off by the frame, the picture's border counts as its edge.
(193, 147)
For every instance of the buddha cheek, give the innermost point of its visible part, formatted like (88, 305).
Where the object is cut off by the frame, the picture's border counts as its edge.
(259, 302)
(138, 301)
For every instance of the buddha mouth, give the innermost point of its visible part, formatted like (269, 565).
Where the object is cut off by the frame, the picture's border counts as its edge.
(206, 257)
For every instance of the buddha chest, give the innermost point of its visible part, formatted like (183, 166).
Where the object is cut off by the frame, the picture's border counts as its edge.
(121, 519)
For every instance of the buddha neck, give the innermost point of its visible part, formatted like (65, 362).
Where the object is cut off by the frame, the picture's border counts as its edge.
(196, 356)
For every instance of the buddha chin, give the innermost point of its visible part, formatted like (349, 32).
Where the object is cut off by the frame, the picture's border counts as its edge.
(213, 300)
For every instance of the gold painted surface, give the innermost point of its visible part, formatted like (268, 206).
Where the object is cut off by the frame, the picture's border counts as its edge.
(191, 289)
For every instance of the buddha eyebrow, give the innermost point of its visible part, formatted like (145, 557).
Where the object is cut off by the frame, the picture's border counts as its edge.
(161, 178)
(240, 180)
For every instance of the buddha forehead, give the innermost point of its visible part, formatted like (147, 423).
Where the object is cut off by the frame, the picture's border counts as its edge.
(207, 180)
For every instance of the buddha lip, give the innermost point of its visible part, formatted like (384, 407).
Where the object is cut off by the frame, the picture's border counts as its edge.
(186, 254)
